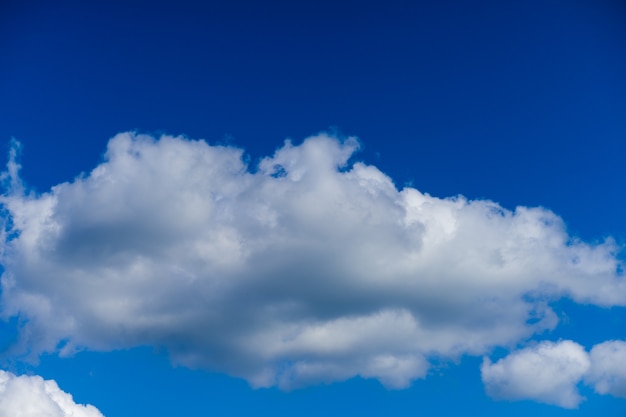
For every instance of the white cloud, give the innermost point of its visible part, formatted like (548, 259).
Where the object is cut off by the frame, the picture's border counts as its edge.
(608, 368)
(548, 372)
(309, 269)
(31, 396)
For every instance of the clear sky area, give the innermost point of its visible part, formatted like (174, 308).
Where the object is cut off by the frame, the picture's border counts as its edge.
(279, 208)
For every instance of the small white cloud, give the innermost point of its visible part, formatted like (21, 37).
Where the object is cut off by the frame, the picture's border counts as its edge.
(608, 368)
(547, 372)
(308, 269)
(32, 396)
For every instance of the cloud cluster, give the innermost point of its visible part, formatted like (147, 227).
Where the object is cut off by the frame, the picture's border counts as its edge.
(306, 268)
(31, 396)
(550, 372)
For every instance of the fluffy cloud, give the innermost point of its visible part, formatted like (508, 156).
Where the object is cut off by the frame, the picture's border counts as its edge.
(548, 372)
(608, 368)
(31, 396)
(303, 269)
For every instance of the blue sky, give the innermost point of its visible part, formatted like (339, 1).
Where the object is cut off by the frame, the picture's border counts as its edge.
(133, 281)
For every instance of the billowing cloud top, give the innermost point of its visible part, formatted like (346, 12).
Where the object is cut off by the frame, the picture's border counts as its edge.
(31, 396)
(305, 269)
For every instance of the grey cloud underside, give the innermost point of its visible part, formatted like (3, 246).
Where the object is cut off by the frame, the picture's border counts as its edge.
(306, 269)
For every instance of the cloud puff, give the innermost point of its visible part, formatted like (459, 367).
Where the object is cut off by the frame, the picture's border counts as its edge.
(31, 396)
(550, 372)
(306, 268)
(608, 368)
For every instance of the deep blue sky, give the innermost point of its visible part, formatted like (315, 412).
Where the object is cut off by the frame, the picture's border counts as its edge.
(520, 102)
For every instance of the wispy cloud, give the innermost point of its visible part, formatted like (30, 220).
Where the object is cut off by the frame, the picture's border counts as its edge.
(306, 268)
(31, 396)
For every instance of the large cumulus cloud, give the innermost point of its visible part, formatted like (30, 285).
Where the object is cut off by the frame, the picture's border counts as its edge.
(306, 268)
(32, 396)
